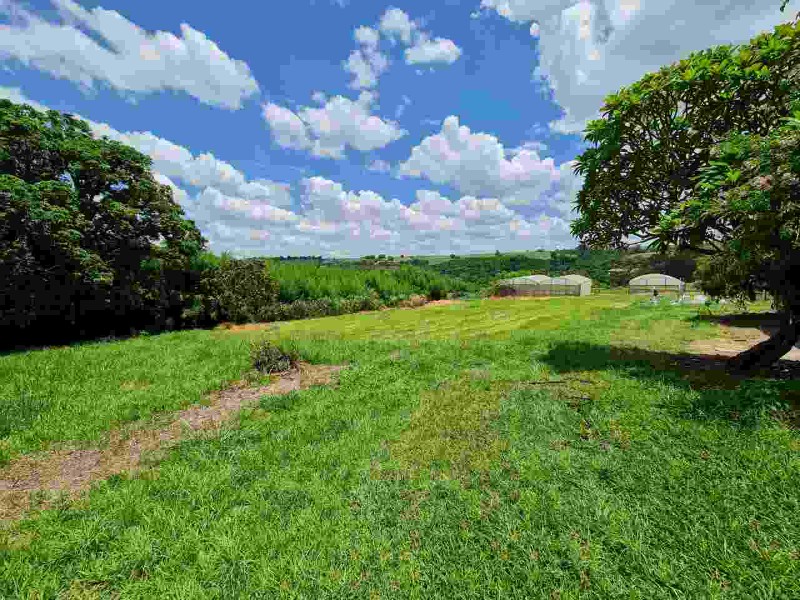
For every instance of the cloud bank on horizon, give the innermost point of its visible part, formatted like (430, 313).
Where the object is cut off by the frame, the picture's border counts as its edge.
(421, 130)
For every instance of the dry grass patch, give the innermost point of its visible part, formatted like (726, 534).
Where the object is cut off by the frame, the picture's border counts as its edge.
(450, 435)
(246, 327)
(413, 302)
(82, 589)
(443, 302)
(574, 388)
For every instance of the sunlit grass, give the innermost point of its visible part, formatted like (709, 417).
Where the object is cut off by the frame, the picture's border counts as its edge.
(478, 450)
(81, 391)
(494, 319)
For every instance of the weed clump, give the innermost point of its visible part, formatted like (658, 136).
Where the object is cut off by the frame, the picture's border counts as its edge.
(269, 358)
(21, 412)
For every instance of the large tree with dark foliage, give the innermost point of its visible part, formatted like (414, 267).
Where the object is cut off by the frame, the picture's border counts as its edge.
(750, 192)
(90, 243)
(697, 157)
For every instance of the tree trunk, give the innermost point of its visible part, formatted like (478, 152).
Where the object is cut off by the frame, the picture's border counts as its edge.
(768, 352)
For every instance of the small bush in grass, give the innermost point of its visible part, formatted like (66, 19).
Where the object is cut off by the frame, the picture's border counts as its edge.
(414, 301)
(269, 358)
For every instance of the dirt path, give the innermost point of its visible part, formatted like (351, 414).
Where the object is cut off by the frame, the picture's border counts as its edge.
(74, 471)
(522, 297)
(442, 302)
(734, 340)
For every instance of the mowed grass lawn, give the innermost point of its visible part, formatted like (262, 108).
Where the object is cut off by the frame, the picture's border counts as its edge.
(487, 449)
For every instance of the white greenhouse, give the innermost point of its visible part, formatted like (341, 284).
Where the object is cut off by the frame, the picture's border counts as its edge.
(541, 285)
(645, 284)
(584, 282)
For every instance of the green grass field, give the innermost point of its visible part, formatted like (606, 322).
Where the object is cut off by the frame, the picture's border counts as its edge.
(485, 449)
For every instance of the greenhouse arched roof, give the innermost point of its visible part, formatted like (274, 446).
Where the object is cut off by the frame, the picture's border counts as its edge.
(529, 279)
(577, 278)
(656, 279)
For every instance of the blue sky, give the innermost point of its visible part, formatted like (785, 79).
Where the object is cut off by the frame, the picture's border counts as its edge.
(351, 127)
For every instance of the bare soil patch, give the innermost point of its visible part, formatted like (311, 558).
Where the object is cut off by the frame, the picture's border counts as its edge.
(522, 297)
(734, 340)
(74, 471)
(442, 302)
(245, 327)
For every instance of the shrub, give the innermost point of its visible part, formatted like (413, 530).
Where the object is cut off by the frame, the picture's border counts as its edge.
(320, 307)
(436, 293)
(371, 302)
(414, 302)
(298, 309)
(245, 290)
(335, 306)
(351, 305)
(269, 358)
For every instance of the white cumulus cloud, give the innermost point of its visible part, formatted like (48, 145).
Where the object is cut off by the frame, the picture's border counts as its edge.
(329, 130)
(366, 223)
(432, 51)
(591, 48)
(288, 130)
(252, 217)
(131, 60)
(366, 64)
(477, 164)
(367, 36)
(395, 23)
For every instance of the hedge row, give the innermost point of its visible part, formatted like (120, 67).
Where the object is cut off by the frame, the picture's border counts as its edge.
(250, 290)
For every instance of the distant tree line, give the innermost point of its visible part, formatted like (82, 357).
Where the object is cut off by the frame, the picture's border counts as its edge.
(302, 258)
(480, 271)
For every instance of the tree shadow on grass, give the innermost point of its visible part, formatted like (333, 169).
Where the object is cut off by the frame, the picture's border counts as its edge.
(767, 322)
(12, 343)
(720, 395)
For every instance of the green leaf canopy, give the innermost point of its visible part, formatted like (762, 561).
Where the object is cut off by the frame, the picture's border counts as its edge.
(89, 241)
